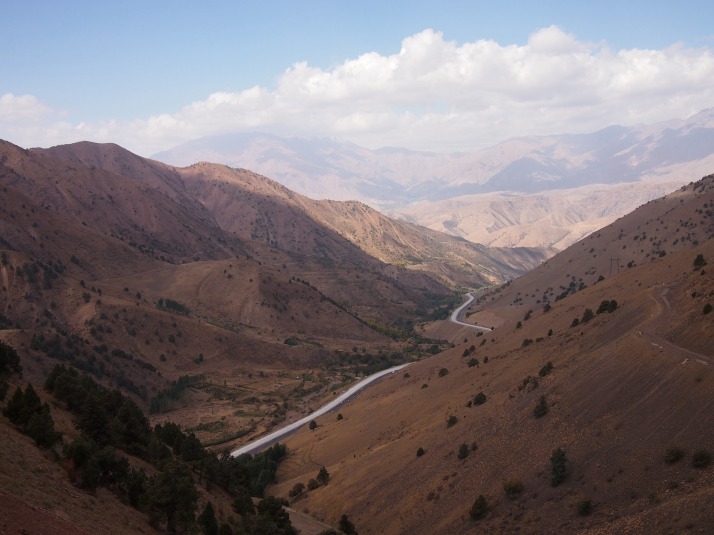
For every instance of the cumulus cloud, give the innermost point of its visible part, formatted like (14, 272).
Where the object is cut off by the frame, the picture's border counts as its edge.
(433, 94)
(21, 108)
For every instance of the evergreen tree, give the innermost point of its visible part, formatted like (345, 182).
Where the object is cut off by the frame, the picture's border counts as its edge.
(41, 427)
(346, 526)
(30, 405)
(172, 496)
(9, 361)
(558, 469)
(207, 520)
(13, 409)
(272, 519)
(323, 476)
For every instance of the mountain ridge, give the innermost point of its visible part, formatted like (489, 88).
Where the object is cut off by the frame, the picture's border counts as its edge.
(401, 182)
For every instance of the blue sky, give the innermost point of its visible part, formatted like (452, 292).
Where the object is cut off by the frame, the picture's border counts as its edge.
(151, 74)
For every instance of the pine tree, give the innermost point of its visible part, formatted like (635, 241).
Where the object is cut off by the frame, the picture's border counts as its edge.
(207, 520)
(558, 469)
(323, 476)
(41, 428)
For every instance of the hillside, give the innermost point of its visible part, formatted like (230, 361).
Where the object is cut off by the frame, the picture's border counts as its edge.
(628, 389)
(566, 185)
(140, 274)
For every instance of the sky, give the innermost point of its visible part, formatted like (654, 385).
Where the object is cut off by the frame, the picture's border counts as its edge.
(440, 76)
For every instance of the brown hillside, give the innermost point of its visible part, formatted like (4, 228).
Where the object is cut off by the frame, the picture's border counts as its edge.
(625, 387)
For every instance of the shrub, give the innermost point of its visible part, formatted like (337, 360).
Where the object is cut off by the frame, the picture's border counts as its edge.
(699, 262)
(546, 369)
(312, 484)
(607, 306)
(312, 425)
(339, 416)
(513, 489)
(587, 315)
(673, 454)
(442, 372)
(480, 399)
(473, 362)
(479, 508)
(707, 308)
(297, 490)
(701, 459)
(527, 342)
(451, 421)
(584, 507)
(463, 451)
(347, 527)
(420, 452)
(541, 409)
(575, 322)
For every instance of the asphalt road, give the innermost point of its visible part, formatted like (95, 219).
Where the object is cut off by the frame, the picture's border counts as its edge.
(457, 314)
(271, 438)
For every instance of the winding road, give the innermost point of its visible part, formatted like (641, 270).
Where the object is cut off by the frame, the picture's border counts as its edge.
(457, 314)
(271, 438)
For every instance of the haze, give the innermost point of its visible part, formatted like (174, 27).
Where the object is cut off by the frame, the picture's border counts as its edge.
(439, 78)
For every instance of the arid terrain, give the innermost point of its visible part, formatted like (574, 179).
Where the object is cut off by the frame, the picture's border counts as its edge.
(625, 387)
(217, 299)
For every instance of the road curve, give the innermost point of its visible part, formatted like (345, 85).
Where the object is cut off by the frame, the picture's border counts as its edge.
(275, 436)
(457, 314)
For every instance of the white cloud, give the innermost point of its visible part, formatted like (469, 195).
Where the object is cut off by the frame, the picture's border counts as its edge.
(21, 108)
(433, 94)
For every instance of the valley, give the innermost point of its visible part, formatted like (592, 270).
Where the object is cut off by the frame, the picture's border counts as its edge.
(221, 302)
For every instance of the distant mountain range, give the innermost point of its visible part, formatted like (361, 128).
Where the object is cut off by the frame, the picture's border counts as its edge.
(472, 194)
